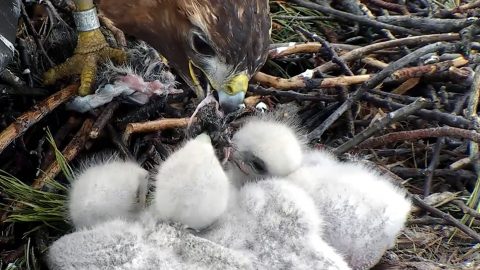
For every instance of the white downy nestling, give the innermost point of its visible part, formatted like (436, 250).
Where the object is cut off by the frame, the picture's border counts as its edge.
(191, 186)
(276, 222)
(263, 148)
(107, 189)
(363, 211)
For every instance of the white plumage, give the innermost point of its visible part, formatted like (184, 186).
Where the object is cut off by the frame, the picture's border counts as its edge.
(363, 211)
(107, 189)
(276, 223)
(191, 186)
(264, 148)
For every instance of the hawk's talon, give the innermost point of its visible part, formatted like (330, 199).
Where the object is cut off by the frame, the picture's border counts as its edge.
(92, 49)
(117, 55)
(88, 75)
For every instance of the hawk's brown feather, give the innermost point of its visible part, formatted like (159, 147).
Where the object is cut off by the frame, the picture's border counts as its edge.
(238, 31)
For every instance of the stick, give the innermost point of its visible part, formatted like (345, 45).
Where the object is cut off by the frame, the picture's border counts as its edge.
(446, 217)
(465, 209)
(421, 134)
(347, 17)
(290, 94)
(435, 115)
(471, 113)
(69, 152)
(380, 124)
(37, 113)
(310, 47)
(430, 171)
(305, 81)
(409, 41)
(374, 81)
(152, 126)
(103, 119)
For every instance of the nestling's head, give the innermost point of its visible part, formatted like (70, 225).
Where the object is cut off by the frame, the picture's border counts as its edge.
(265, 147)
(191, 186)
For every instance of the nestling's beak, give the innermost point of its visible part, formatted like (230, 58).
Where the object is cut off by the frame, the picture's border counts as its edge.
(233, 94)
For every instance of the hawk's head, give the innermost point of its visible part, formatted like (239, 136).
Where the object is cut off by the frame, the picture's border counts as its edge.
(215, 44)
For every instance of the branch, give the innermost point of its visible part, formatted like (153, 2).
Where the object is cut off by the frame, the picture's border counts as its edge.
(421, 134)
(380, 124)
(69, 152)
(446, 217)
(375, 80)
(348, 17)
(152, 126)
(37, 113)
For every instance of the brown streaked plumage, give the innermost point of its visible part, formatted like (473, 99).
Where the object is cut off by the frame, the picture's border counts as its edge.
(226, 40)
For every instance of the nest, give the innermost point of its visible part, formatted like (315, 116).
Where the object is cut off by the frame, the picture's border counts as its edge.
(385, 82)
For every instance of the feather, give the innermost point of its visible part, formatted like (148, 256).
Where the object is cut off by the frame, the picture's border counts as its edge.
(107, 188)
(277, 223)
(363, 211)
(191, 186)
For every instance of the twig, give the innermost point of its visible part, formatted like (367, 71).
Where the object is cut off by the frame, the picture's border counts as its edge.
(103, 119)
(419, 173)
(348, 17)
(465, 209)
(413, 72)
(65, 130)
(375, 80)
(462, 163)
(332, 53)
(431, 25)
(409, 41)
(152, 126)
(36, 37)
(421, 134)
(310, 47)
(472, 114)
(69, 152)
(380, 124)
(307, 82)
(26, 120)
(343, 91)
(435, 115)
(117, 141)
(466, 6)
(446, 217)
(427, 220)
(290, 94)
(390, 6)
(430, 171)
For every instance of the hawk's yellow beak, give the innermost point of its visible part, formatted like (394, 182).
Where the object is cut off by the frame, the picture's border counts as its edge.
(233, 94)
(230, 95)
(237, 84)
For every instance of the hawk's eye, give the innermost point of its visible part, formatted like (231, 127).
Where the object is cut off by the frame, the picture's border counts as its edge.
(201, 46)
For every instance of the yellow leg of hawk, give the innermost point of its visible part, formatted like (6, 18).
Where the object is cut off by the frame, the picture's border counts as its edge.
(92, 49)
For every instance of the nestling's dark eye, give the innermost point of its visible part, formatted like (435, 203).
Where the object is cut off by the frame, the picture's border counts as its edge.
(201, 46)
(259, 166)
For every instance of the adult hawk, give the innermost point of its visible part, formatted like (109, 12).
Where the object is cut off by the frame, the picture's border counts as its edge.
(212, 44)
